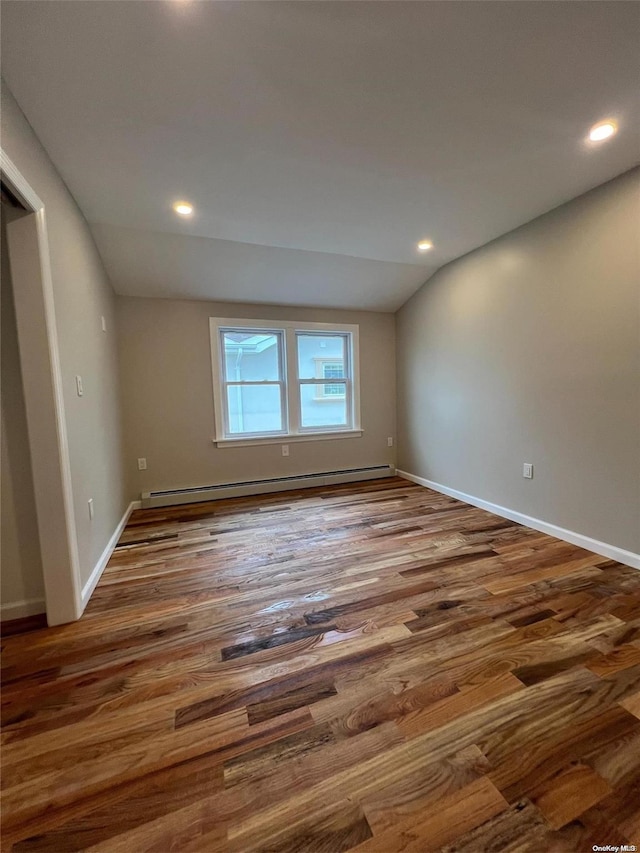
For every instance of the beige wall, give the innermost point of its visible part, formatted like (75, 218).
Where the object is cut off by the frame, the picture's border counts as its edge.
(82, 294)
(527, 350)
(22, 583)
(168, 398)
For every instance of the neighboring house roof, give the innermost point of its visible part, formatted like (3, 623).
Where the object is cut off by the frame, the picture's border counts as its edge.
(233, 341)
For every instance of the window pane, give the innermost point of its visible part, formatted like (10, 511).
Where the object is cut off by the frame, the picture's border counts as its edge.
(254, 408)
(251, 355)
(318, 410)
(317, 352)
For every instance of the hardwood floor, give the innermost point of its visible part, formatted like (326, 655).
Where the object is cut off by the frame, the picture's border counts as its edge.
(374, 667)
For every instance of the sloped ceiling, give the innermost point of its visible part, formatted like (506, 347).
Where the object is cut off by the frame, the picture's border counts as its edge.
(318, 141)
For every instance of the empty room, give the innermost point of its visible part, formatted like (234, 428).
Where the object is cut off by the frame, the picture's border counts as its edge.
(320, 472)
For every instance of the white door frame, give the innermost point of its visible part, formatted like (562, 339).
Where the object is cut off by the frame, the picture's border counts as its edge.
(44, 402)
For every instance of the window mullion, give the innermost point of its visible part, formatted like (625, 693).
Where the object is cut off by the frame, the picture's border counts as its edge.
(293, 392)
(284, 403)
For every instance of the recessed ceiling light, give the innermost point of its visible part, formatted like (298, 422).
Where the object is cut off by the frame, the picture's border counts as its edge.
(183, 208)
(603, 130)
(425, 245)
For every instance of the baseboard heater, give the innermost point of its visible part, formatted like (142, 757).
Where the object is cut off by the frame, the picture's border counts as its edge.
(197, 494)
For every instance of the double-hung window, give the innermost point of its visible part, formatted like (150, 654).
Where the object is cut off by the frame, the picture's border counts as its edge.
(284, 380)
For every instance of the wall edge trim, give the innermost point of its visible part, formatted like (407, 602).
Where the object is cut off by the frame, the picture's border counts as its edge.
(22, 608)
(603, 549)
(96, 574)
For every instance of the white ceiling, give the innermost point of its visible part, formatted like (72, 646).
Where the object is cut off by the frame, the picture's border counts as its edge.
(149, 263)
(318, 141)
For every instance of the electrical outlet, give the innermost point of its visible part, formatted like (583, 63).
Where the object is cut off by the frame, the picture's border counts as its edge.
(285, 449)
(79, 388)
(390, 441)
(527, 470)
(142, 464)
(90, 502)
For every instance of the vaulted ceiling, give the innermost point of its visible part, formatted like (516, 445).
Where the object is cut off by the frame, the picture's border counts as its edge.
(318, 141)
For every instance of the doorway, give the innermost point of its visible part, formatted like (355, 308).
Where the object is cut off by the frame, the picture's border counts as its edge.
(37, 344)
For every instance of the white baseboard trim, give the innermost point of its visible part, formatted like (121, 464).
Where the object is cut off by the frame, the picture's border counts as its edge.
(20, 609)
(601, 548)
(91, 584)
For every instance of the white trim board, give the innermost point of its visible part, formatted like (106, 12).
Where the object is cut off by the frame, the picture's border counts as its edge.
(100, 566)
(42, 379)
(20, 609)
(601, 548)
(289, 438)
(21, 188)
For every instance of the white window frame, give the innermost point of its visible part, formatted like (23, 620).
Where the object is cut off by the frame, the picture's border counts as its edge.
(290, 379)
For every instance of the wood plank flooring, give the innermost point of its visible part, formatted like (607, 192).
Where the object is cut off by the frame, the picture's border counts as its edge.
(370, 667)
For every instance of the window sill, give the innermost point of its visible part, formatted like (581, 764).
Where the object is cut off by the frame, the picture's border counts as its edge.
(288, 439)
